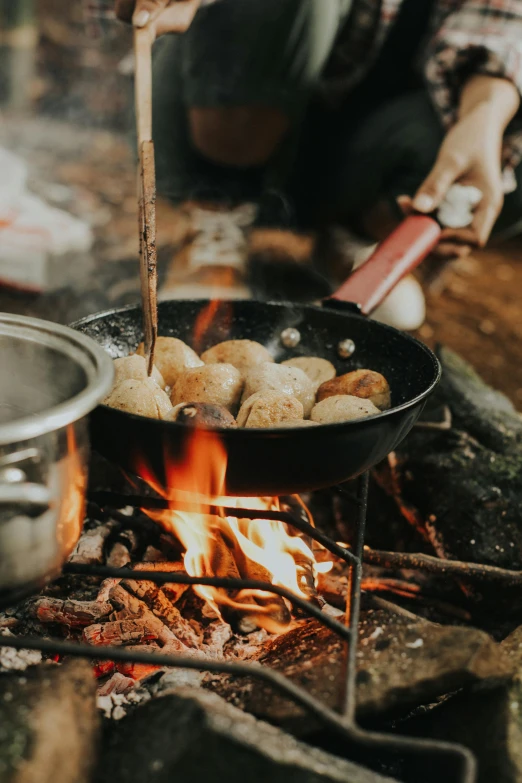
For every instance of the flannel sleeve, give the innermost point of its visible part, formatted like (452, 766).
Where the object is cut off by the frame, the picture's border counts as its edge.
(478, 36)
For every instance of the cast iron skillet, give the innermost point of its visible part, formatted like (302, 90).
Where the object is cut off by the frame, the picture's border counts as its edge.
(285, 461)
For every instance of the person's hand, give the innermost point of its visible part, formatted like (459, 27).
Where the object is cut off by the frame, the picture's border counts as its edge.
(162, 16)
(470, 155)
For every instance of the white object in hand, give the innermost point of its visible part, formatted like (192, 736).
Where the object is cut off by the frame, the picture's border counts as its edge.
(456, 211)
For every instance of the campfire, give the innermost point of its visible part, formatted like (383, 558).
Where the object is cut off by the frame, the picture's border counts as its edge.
(188, 587)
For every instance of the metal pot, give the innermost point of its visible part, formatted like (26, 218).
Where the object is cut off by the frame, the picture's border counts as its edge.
(51, 377)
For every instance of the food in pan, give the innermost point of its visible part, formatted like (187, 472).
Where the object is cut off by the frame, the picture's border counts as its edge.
(269, 408)
(243, 354)
(172, 357)
(342, 407)
(318, 370)
(240, 377)
(276, 377)
(144, 398)
(134, 368)
(366, 384)
(202, 414)
(219, 384)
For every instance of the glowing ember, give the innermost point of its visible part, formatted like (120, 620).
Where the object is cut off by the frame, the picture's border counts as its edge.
(258, 549)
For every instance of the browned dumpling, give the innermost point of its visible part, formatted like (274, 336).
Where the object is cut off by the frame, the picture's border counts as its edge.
(134, 368)
(342, 407)
(172, 357)
(276, 377)
(241, 353)
(144, 398)
(366, 384)
(218, 384)
(202, 414)
(318, 370)
(268, 408)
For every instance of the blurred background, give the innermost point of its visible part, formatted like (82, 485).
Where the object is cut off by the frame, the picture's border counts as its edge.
(68, 237)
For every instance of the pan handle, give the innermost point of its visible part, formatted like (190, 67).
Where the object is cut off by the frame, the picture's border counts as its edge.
(405, 248)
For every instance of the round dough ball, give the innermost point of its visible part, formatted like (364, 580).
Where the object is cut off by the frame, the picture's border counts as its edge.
(342, 407)
(269, 408)
(143, 398)
(134, 368)
(287, 380)
(219, 384)
(295, 423)
(318, 370)
(202, 414)
(241, 353)
(366, 384)
(172, 357)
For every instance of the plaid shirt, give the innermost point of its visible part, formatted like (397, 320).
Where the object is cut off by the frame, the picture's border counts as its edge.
(466, 36)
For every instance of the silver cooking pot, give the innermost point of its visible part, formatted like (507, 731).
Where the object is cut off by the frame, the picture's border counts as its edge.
(51, 377)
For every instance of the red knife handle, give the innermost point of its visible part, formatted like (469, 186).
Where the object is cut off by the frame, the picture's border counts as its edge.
(393, 259)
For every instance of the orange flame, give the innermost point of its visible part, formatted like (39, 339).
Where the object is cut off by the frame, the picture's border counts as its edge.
(207, 317)
(216, 545)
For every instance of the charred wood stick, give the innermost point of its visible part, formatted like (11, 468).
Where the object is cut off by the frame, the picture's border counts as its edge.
(105, 589)
(119, 555)
(156, 600)
(436, 565)
(74, 614)
(119, 633)
(131, 607)
(273, 604)
(173, 590)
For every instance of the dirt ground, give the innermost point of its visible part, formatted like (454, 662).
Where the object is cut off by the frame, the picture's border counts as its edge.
(478, 313)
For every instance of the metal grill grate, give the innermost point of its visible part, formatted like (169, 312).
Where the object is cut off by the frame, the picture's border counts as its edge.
(422, 760)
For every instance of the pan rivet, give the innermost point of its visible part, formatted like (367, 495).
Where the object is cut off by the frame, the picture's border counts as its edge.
(346, 348)
(290, 337)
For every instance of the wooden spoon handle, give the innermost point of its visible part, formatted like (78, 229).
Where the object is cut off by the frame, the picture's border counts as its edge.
(146, 187)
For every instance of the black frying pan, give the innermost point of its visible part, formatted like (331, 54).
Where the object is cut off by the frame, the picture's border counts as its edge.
(285, 461)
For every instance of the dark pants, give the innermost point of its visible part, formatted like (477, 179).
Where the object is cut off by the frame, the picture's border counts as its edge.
(380, 143)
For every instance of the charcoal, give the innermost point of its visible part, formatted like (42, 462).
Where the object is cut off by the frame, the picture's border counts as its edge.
(49, 724)
(190, 735)
(400, 665)
(466, 482)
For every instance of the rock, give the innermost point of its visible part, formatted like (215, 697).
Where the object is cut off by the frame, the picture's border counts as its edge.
(466, 483)
(487, 720)
(48, 724)
(193, 735)
(401, 664)
(512, 649)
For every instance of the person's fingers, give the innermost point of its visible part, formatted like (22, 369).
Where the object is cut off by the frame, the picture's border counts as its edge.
(147, 11)
(405, 204)
(432, 191)
(451, 250)
(486, 215)
(466, 236)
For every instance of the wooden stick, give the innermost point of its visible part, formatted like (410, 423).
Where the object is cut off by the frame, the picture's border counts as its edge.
(146, 190)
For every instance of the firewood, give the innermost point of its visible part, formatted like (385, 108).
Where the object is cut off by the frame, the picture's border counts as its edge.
(102, 668)
(160, 605)
(172, 590)
(132, 607)
(105, 589)
(74, 614)
(119, 633)
(90, 546)
(139, 671)
(119, 555)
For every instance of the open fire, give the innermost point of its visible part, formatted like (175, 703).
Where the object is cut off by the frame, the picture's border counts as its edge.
(230, 547)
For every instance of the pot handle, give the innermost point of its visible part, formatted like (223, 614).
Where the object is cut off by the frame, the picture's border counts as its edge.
(406, 247)
(32, 499)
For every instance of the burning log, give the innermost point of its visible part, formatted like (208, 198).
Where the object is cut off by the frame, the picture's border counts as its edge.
(172, 590)
(119, 555)
(118, 683)
(119, 633)
(74, 614)
(154, 597)
(105, 589)
(91, 545)
(132, 607)
(102, 668)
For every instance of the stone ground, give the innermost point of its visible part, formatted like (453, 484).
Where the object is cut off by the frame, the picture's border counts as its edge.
(91, 174)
